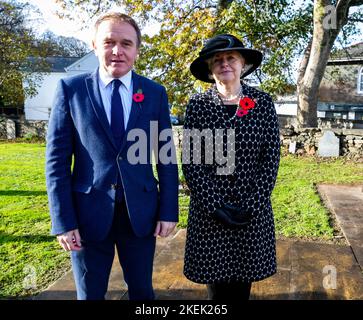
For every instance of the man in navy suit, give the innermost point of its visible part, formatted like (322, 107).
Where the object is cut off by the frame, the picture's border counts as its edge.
(99, 196)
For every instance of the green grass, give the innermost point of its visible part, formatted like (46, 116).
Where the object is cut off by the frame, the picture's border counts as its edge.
(30, 259)
(298, 209)
(296, 203)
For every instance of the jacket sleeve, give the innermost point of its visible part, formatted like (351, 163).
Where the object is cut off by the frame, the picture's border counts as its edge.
(199, 175)
(59, 152)
(167, 167)
(268, 163)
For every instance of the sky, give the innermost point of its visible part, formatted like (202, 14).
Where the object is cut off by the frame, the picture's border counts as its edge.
(72, 28)
(56, 25)
(65, 27)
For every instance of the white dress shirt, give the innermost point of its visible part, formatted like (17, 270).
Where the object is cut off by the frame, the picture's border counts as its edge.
(125, 93)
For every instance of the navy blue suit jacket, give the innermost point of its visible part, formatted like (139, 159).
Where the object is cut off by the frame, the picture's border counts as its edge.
(82, 161)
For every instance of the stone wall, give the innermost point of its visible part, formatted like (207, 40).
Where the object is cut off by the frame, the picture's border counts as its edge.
(23, 128)
(307, 140)
(33, 128)
(3, 128)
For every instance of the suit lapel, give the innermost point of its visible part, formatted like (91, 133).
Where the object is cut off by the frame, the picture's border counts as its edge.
(135, 107)
(95, 96)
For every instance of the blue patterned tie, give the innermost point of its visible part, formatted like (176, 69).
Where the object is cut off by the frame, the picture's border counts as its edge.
(117, 113)
(117, 127)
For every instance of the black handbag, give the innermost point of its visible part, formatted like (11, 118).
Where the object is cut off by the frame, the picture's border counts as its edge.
(232, 216)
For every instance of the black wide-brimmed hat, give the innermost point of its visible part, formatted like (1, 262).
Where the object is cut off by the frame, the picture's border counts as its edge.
(224, 42)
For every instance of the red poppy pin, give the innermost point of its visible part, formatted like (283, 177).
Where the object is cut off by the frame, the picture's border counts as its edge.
(138, 96)
(245, 104)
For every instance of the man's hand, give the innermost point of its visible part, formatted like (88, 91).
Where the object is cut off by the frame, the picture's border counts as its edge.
(70, 241)
(164, 228)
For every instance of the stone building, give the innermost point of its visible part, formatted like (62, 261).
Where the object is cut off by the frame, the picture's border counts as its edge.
(340, 101)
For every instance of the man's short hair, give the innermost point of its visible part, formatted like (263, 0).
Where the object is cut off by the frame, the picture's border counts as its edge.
(121, 17)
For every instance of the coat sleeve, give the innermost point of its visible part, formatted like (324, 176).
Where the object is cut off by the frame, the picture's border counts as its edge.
(268, 163)
(167, 170)
(59, 152)
(199, 175)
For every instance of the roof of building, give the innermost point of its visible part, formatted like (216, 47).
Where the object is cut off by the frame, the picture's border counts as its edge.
(352, 52)
(80, 60)
(345, 61)
(53, 64)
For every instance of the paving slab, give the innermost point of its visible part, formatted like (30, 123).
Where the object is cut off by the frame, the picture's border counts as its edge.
(346, 202)
(64, 288)
(306, 270)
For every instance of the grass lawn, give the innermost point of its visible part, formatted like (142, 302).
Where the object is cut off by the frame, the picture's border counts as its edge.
(30, 259)
(297, 206)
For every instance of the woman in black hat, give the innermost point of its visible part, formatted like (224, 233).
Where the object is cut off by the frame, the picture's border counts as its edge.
(230, 236)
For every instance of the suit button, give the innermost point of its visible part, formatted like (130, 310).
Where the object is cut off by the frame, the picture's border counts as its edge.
(113, 186)
(120, 158)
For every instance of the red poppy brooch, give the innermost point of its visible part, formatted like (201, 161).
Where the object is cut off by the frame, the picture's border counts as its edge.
(245, 104)
(138, 96)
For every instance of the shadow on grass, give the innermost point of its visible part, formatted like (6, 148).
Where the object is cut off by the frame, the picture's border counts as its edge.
(31, 238)
(11, 193)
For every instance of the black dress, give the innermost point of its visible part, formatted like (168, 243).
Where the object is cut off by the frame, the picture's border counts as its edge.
(215, 253)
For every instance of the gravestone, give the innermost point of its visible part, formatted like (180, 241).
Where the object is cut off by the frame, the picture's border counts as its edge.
(292, 147)
(328, 145)
(10, 129)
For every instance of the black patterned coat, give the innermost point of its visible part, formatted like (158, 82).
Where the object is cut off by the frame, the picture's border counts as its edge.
(216, 253)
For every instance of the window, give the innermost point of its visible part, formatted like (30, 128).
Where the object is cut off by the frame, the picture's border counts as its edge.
(360, 81)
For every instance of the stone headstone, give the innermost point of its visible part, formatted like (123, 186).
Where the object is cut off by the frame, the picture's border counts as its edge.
(10, 129)
(328, 145)
(292, 147)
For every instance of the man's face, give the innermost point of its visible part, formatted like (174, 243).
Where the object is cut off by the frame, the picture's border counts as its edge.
(115, 45)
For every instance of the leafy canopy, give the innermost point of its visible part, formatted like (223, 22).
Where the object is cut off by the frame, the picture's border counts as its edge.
(277, 28)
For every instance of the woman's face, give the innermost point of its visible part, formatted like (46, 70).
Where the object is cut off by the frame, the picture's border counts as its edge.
(226, 67)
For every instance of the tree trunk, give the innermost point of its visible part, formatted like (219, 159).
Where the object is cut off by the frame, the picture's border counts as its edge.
(313, 64)
(309, 83)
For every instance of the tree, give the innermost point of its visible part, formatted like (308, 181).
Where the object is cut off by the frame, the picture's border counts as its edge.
(16, 45)
(279, 28)
(274, 28)
(329, 18)
(54, 45)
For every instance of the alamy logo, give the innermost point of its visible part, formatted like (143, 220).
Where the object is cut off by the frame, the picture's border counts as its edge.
(330, 18)
(30, 279)
(330, 280)
(205, 146)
